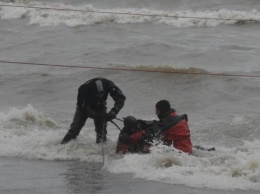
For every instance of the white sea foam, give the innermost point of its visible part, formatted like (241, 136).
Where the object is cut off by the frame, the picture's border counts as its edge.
(88, 14)
(226, 168)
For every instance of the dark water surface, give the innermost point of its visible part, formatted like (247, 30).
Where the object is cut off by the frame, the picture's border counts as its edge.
(19, 176)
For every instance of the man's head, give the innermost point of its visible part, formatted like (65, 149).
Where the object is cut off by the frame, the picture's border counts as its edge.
(162, 107)
(131, 123)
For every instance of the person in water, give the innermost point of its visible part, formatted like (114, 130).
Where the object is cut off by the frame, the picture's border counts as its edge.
(126, 142)
(91, 103)
(171, 129)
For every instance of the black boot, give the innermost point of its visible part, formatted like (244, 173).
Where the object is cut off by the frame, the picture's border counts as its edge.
(67, 138)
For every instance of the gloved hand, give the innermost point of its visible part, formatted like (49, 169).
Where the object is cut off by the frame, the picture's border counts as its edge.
(111, 115)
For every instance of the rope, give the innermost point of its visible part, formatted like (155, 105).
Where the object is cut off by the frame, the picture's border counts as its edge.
(128, 69)
(131, 14)
(119, 119)
(102, 145)
(116, 125)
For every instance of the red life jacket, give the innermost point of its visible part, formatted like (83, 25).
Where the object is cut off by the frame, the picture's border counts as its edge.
(173, 130)
(178, 135)
(134, 146)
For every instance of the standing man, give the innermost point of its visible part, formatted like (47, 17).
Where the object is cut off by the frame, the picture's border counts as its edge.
(91, 103)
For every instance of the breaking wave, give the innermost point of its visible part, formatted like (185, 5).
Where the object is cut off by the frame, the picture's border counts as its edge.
(54, 14)
(168, 68)
(226, 168)
(26, 117)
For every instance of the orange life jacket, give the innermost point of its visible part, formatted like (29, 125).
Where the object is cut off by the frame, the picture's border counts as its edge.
(178, 135)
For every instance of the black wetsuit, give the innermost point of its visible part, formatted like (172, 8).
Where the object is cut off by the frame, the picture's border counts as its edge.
(91, 102)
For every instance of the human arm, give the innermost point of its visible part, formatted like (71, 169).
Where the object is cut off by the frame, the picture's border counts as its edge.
(81, 98)
(144, 124)
(119, 99)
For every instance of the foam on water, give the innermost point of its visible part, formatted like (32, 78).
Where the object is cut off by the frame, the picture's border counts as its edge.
(85, 15)
(223, 112)
(29, 133)
(227, 168)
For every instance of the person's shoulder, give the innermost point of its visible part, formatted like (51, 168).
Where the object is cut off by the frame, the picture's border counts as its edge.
(183, 117)
(107, 80)
(109, 83)
(93, 80)
(174, 115)
(82, 86)
(85, 86)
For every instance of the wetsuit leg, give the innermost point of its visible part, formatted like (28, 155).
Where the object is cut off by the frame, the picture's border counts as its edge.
(78, 122)
(101, 129)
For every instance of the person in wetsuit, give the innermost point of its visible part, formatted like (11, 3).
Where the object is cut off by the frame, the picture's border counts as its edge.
(92, 103)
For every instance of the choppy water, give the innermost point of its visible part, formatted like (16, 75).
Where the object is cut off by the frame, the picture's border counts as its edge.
(38, 102)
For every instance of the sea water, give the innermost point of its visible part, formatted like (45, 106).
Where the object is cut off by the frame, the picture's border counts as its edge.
(214, 47)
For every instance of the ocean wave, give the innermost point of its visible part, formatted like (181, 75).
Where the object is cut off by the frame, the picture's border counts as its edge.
(54, 14)
(228, 168)
(222, 169)
(168, 69)
(25, 117)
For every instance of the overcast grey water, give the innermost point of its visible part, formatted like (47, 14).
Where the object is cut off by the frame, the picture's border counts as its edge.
(218, 41)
